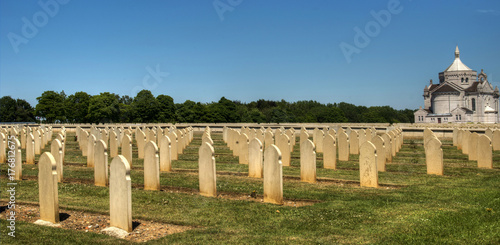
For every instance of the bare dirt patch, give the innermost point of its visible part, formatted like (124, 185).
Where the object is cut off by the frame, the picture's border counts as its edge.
(143, 230)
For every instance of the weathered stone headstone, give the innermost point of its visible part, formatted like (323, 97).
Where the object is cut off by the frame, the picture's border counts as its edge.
(361, 138)
(236, 143)
(207, 139)
(388, 147)
(120, 194)
(268, 139)
(90, 151)
(83, 140)
(140, 139)
(180, 141)
(284, 145)
(381, 159)
(465, 142)
(173, 145)
(152, 135)
(319, 140)
(206, 171)
(18, 168)
(484, 152)
(255, 159)
(434, 156)
(127, 149)
(291, 135)
(329, 152)
(101, 164)
(369, 136)
(428, 135)
(38, 142)
(495, 141)
(3, 147)
(151, 167)
(62, 139)
(489, 132)
(47, 188)
(455, 136)
(308, 161)
(473, 146)
(260, 135)
(459, 139)
(354, 143)
(165, 154)
(30, 149)
(23, 138)
(243, 152)
(343, 144)
(333, 133)
(394, 144)
(273, 175)
(56, 151)
(303, 136)
(368, 174)
(113, 144)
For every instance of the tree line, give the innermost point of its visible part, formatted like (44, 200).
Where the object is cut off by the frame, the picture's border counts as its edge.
(57, 107)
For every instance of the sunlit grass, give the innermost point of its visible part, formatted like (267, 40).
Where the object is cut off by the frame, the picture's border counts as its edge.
(411, 207)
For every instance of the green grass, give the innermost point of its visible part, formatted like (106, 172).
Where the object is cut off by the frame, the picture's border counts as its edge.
(411, 207)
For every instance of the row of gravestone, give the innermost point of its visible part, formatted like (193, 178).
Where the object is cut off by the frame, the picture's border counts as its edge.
(41, 135)
(31, 144)
(271, 161)
(273, 188)
(179, 139)
(120, 191)
(250, 149)
(96, 156)
(478, 147)
(239, 142)
(268, 164)
(157, 157)
(50, 173)
(493, 134)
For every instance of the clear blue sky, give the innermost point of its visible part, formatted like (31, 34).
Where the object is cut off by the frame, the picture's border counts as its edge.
(253, 50)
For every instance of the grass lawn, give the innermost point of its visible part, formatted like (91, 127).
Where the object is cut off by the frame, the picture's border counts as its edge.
(411, 207)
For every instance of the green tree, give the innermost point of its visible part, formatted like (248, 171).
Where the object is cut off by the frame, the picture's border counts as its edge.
(256, 116)
(77, 107)
(145, 107)
(12, 110)
(185, 112)
(51, 106)
(104, 108)
(331, 114)
(166, 108)
(126, 100)
(7, 109)
(224, 111)
(24, 111)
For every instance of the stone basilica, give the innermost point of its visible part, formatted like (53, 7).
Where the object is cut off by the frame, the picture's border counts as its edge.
(461, 96)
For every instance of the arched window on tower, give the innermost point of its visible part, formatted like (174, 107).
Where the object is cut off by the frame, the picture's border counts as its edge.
(462, 80)
(467, 80)
(473, 102)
